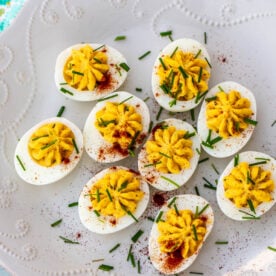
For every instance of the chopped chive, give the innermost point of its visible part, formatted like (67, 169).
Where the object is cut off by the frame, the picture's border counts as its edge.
(77, 73)
(209, 136)
(130, 214)
(98, 48)
(139, 267)
(198, 151)
(150, 218)
(98, 195)
(114, 248)
(252, 217)
(192, 111)
(97, 260)
(246, 213)
(129, 252)
(176, 210)
(73, 204)
(103, 123)
(118, 69)
(273, 123)
(105, 267)
(123, 185)
(251, 206)
(136, 237)
(195, 233)
(172, 202)
(138, 89)
(107, 98)
(197, 191)
(210, 187)
(63, 83)
(125, 100)
(203, 209)
(97, 60)
(133, 141)
(161, 153)
(257, 163)
(49, 145)
(208, 62)
(132, 260)
(162, 63)
(207, 181)
(120, 37)
(199, 75)
(60, 112)
(97, 213)
(75, 145)
(207, 145)
(21, 163)
(200, 96)
(131, 152)
(251, 122)
(272, 248)
(215, 169)
(152, 164)
(159, 216)
(172, 102)
(260, 158)
(215, 140)
(183, 72)
(174, 51)
(36, 138)
(220, 88)
(236, 160)
(189, 135)
(197, 54)
(198, 273)
(56, 223)
(221, 242)
(167, 33)
(203, 160)
(159, 113)
(124, 66)
(237, 126)
(147, 98)
(165, 88)
(109, 195)
(66, 91)
(67, 240)
(205, 38)
(150, 126)
(170, 181)
(249, 180)
(144, 55)
(211, 99)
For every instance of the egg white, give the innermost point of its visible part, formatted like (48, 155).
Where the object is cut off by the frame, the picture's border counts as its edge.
(95, 143)
(226, 205)
(186, 45)
(153, 176)
(114, 57)
(231, 145)
(101, 225)
(39, 175)
(183, 202)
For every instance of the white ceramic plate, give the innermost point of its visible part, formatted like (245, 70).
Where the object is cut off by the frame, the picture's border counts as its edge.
(241, 47)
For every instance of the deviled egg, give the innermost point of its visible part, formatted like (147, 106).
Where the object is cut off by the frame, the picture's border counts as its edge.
(115, 127)
(86, 72)
(246, 188)
(48, 151)
(170, 156)
(227, 119)
(180, 75)
(179, 232)
(112, 200)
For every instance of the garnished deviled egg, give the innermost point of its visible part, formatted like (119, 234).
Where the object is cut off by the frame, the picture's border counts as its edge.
(115, 127)
(227, 119)
(86, 72)
(112, 200)
(180, 75)
(179, 232)
(246, 188)
(170, 156)
(48, 151)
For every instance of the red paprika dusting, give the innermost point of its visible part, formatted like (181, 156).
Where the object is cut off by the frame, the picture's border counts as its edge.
(66, 161)
(106, 83)
(113, 221)
(158, 199)
(204, 218)
(78, 235)
(173, 260)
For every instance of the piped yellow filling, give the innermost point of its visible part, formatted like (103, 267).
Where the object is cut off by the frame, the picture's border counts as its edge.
(248, 183)
(116, 193)
(226, 113)
(182, 231)
(51, 144)
(182, 76)
(85, 68)
(169, 150)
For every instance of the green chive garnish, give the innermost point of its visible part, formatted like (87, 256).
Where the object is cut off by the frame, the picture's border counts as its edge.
(162, 63)
(49, 145)
(97, 213)
(220, 88)
(67, 240)
(170, 181)
(105, 267)
(124, 66)
(139, 267)
(126, 100)
(56, 223)
(21, 163)
(36, 138)
(215, 169)
(208, 62)
(272, 248)
(207, 181)
(207, 145)
(118, 69)
(197, 54)
(123, 185)
(159, 217)
(161, 153)
(260, 158)
(251, 122)
(251, 206)
(109, 195)
(144, 55)
(195, 233)
(211, 99)
(205, 38)
(152, 164)
(192, 111)
(66, 91)
(165, 88)
(77, 73)
(203, 160)
(97, 60)
(273, 123)
(147, 98)
(183, 73)
(133, 141)
(202, 210)
(114, 248)
(103, 123)
(150, 218)
(197, 191)
(139, 89)
(107, 98)
(174, 51)
(129, 252)
(257, 163)
(198, 151)
(63, 83)
(60, 112)
(73, 204)
(215, 140)
(189, 135)
(252, 217)
(221, 242)
(199, 75)
(210, 187)
(198, 273)
(98, 48)
(236, 160)
(75, 146)
(176, 210)
(159, 113)
(167, 33)
(150, 126)
(132, 260)
(200, 96)
(97, 260)
(249, 180)
(136, 237)
(172, 202)
(120, 37)
(98, 195)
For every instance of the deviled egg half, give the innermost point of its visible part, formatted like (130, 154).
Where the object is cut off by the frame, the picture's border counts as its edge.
(170, 155)
(48, 151)
(115, 127)
(179, 232)
(246, 188)
(86, 72)
(112, 200)
(180, 75)
(227, 119)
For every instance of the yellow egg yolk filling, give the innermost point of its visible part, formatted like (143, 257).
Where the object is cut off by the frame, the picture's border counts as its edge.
(169, 151)
(119, 123)
(248, 183)
(226, 114)
(183, 76)
(183, 231)
(116, 194)
(85, 68)
(51, 144)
